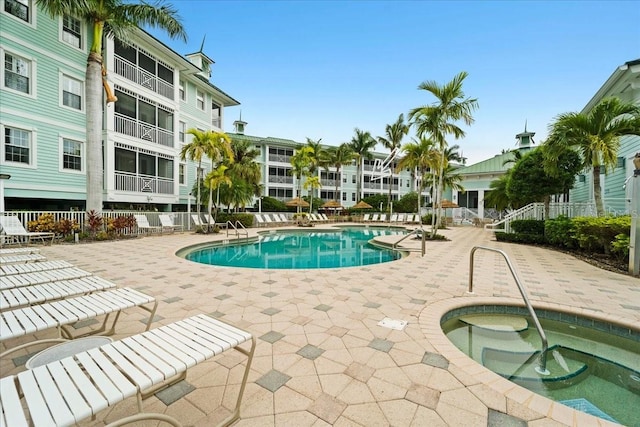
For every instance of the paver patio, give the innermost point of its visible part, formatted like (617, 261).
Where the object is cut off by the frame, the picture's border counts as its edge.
(322, 359)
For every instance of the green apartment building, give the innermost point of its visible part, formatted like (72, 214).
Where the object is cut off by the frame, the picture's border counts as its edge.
(160, 95)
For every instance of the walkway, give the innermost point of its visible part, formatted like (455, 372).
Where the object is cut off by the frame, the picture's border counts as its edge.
(322, 360)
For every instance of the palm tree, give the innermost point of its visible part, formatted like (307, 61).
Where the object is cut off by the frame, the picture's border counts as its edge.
(300, 162)
(596, 136)
(393, 141)
(245, 166)
(215, 145)
(420, 155)
(362, 143)
(110, 18)
(317, 159)
(337, 157)
(439, 120)
(216, 178)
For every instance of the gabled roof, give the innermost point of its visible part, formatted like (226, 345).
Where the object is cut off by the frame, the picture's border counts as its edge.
(492, 165)
(228, 100)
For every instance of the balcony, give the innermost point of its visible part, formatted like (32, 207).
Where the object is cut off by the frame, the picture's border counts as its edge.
(137, 129)
(279, 158)
(281, 179)
(143, 183)
(142, 77)
(216, 122)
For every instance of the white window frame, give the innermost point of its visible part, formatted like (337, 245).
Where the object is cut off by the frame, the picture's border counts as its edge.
(32, 16)
(81, 36)
(32, 146)
(62, 87)
(32, 73)
(182, 177)
(201, 99)
(182, 132)
(61, 167)
(182, 90)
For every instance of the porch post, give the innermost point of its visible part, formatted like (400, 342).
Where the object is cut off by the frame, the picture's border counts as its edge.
(634, 244)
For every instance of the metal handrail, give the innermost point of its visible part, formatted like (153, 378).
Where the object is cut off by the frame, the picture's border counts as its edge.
(237, 230)
(424, 246)
(543, 355)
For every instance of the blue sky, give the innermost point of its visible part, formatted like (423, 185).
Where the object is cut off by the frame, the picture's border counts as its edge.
(319, 69)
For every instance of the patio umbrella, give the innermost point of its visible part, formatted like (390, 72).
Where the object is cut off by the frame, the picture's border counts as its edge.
(332, 204)
(446, 204)
(362, 205)
(298, 203)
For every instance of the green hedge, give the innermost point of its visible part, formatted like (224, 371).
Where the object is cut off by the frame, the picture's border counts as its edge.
(561, 232)
(528, 226)
(596, 234)
(244, 218)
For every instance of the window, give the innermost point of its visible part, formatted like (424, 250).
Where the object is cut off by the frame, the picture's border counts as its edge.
(71, 31)
(344, 197)
(181, 176)
(183, 95)
(71, 93)
(344, 178)
(17, 73)
(17, 145)
(200, 100)
(71, 155)
(18, 8)
(353, 179)
(353, 197)
(182, 130)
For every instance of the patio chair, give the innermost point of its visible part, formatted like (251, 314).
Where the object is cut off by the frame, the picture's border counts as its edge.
(167, 223)
(15, 232)
(375, 217)
(366, 217)
(394, 218)
(198, 223)
(324, 217)
(284, 219)
(60, 314)
(38, 277)
(383, 217)
(51, 291)
(400, 218)
(69, 390)
(143, 224)
(32, 267)
(259, 220)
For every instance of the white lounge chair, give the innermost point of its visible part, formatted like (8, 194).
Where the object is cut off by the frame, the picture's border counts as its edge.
(32, 267)
(167, 223)
(198, 222)
(383, 217)
(143, 224)
(20, 258)
(394, 218)
(60, 314)
(13, 229)
(37, 294)
(284, 219)
(324, 217)
(366, 218)
(375, 217)
(38, 277)
(259, 220)
(69, 390)
(16, 251)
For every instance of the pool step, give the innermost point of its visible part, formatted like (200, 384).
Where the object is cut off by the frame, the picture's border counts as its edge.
(520, 366)
(496, 323)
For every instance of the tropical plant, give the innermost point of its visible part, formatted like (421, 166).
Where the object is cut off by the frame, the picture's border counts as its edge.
(214, 180)
(419, 155)
(337, 157)
(362, 143)
(393, 141)
(317, 159)
(497, 197)
(596, 136)
(110, 18)
(245, 166)
(214, 145)
(300, 163)
(440, 119)
(311, 183)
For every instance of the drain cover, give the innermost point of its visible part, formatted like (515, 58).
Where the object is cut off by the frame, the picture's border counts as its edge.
(398, 325)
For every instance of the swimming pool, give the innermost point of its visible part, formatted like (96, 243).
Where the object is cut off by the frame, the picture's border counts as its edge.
(293, 249)
(594, 366)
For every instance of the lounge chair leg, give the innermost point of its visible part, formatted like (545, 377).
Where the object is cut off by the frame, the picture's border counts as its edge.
(235, 415)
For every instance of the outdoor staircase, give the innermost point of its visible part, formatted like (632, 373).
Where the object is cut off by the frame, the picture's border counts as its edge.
(536, 211)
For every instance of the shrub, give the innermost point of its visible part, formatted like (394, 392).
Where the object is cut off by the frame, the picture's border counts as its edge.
(620, 246)
(245, 219)
(269, 204)
(526, 238)
(44, 223)
(122, 223)
(560, 232)
(528, 226)
(407, 203)
(66, 227)
(595, 234)
(94, 222)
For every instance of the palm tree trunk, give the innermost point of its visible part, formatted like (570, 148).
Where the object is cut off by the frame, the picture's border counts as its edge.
(389, 198)
(198, 174)
(338, 178)
(359, 184)
(597, 191)
(94, 132)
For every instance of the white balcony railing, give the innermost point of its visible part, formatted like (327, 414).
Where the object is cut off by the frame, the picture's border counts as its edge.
(279, 158)
(137, 129)
(281, 179)
(143, 183)
(142, 77)
(216, 122)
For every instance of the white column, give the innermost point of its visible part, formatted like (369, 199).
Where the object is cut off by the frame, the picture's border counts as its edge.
(3, 177)
(480, 203)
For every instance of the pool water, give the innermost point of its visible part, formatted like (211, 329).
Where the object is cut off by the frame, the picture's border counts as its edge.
(590, 370)
(347, 247)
